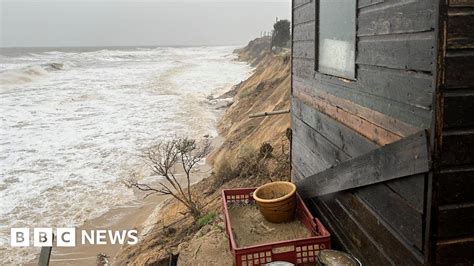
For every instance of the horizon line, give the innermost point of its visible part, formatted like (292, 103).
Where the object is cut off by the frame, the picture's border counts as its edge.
(142, 45)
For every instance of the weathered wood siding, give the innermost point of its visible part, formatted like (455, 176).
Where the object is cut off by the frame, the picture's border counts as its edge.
(454, 173)
(334, 120)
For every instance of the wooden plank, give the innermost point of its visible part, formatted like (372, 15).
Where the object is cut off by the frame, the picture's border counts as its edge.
(269, 113)
(397, 17)
(358, 241)
(297, 3)
(457, 110)
(45, 255)
(399, 118)
(460, 34)
(457, 148)
(364, 233)
(304, 49)
(391, 213)
(461, 3)
(406, 157)
(400, 113)
(456, 220)
(342, 136)
(411, 189)
(455, 186)
(339, 241)
(317, 143)
(397, 85)
(311, 162)
(460, 70)
(379, 229)
(375, 126)
(304, 32)
(295, 173)
(304, 13)
(404, 51)
(366, 3)
(303, 68)
(363, 126)
(455, 252)
(305, 159)
(404, 219)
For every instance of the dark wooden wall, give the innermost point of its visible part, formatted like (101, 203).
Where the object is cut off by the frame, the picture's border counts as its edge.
(334, 119)
(453, 202)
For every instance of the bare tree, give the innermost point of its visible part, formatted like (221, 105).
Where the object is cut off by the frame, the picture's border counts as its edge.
(163, 158)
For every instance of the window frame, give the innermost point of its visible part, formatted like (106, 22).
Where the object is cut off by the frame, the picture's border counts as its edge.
(316, 42)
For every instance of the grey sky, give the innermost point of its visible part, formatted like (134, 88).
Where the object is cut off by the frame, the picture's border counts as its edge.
(149, 22)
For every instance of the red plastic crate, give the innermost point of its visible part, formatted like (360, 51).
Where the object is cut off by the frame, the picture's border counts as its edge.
(299, 251)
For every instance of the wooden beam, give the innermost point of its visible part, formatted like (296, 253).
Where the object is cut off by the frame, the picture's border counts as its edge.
(406, 157)
(278, 112)
(44, 256)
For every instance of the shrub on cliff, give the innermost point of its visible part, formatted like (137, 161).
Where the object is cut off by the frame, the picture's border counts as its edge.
(264, 162)
(163, 158)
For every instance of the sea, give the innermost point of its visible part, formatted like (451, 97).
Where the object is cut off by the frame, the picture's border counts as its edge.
(74, 120)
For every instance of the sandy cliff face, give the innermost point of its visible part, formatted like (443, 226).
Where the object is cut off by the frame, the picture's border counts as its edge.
(268, 89)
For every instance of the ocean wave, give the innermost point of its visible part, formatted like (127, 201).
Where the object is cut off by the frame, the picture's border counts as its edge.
(29, 73)
(70, 141)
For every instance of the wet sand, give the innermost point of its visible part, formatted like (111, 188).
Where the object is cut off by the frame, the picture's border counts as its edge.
(132, 216)
(139, 214)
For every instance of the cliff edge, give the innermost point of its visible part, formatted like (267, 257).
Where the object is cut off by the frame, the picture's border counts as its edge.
(176, 236)
(267, 89)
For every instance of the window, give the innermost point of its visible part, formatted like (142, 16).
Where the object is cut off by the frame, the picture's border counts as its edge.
(336, 38)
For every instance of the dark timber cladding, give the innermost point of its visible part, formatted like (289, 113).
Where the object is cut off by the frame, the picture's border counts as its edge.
(335, 121)
(454, 173)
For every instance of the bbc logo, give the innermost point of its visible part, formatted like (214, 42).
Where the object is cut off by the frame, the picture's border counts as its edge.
(66, 237)
(43, 237)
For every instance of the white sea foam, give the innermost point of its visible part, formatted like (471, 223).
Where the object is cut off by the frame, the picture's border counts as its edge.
(75, 124)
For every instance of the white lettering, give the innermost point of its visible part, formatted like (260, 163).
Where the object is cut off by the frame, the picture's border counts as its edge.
(117, 236)
(101, 236)
(89, 238)
(66, 237)
(132, 237)
(19, 237)
(43, 237)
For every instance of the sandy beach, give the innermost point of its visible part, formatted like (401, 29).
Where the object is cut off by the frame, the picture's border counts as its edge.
(140, 214)
(82, 133)
(204, 242)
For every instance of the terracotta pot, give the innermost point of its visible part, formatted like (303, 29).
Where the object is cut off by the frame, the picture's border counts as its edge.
(276, 201)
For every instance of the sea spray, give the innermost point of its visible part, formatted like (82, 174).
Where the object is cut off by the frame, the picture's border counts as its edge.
(69, 134)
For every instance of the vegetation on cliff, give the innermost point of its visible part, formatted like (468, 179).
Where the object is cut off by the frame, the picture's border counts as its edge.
(254, 150)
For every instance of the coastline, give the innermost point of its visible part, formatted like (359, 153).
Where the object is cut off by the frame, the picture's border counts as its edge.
(154, 215)
(89, 160)
(180, 238)
(140, 214)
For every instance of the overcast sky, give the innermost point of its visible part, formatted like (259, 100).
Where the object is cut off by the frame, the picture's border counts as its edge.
(129, 23)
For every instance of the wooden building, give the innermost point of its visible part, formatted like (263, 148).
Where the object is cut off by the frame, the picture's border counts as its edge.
(383, 126)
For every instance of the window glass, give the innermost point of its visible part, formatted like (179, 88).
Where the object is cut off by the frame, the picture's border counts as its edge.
(337, 24)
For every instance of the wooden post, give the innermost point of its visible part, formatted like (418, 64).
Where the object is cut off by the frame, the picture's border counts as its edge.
(45, 255)
(279, 112)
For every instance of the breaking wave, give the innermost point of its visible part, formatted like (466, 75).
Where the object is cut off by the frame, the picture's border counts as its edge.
(74, 120)
(29, 73)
